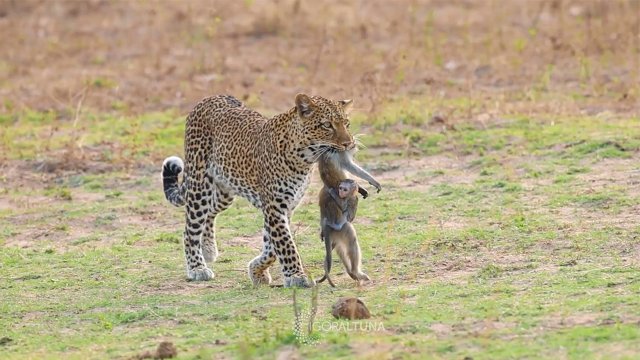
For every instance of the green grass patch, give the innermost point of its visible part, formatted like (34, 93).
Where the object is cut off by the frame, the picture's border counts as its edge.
(506, 248)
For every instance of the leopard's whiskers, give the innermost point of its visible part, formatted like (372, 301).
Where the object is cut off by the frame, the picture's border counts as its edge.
(322, 152)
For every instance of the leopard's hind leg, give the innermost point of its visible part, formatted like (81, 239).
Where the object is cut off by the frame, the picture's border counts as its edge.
(198, 204)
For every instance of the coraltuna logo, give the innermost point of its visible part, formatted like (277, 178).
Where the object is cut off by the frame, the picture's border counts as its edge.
(303, 321)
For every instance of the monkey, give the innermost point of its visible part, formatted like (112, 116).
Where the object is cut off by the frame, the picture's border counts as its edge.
(338, 210)
(346, 201)
(332, 168)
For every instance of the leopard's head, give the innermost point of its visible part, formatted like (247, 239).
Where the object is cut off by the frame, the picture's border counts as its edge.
(325, 123)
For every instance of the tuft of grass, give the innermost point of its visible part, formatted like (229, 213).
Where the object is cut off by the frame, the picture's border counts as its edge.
(489, 272)
(169, 238)
(62, 193)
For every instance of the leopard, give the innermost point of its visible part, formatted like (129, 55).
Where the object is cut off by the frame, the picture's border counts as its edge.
(231, 150)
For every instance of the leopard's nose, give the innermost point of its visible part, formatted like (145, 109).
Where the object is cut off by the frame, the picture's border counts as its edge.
(347, 144)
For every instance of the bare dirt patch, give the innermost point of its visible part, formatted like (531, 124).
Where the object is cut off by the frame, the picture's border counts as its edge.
(412, 173)
(45, 210)
(614, 172)
(254, 241)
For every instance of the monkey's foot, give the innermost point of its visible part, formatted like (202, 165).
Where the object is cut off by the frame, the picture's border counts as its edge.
(362, 277)
(201, 273)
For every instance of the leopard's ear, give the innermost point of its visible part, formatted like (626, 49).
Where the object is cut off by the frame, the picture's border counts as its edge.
(304, 105)
(347, 105)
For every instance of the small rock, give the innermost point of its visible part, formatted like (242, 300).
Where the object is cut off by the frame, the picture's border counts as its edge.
(451, 65)
(484, 117)
(438, 119)
(350, 308)
(166, 350)
(482, 71)
(608, 322)
(576, 10)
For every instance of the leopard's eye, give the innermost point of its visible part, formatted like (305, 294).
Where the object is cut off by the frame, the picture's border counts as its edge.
(326, 125)
(348, 124)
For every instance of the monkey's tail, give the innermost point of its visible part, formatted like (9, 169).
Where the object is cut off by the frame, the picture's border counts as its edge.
(173, 190)
(326, 277)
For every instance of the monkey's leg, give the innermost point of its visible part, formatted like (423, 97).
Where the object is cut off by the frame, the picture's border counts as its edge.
(328, 246)
(325, 235)
(322, 237)
(355, 254)
(342, 248)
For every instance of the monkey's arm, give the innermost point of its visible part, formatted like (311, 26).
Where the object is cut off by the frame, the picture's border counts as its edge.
(352, 208)
(355, 169)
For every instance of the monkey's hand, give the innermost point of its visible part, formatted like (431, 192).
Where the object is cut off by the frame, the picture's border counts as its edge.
(375, 184)
(363, 192)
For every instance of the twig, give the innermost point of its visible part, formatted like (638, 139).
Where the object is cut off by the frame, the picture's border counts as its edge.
(79, 107)
(314, 309)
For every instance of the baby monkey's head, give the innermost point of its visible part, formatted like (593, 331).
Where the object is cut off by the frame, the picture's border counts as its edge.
(347, 188)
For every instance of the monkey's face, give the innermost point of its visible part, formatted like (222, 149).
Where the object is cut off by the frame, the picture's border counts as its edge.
(325, 122)
(345, 190)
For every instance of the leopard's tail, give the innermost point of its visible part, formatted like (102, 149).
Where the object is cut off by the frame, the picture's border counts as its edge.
(173, 190)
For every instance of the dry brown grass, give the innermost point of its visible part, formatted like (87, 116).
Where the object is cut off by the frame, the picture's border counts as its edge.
(139, 56)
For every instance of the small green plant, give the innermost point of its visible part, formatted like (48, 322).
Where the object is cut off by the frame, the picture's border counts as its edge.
(62, 193)
(489, 272)
(103, 83)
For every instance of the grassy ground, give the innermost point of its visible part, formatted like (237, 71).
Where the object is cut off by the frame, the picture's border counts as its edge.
(509, 238)
(505, 133)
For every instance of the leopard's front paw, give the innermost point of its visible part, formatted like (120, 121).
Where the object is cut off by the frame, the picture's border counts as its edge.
(260, 277)
(300, 281)
(201, 273)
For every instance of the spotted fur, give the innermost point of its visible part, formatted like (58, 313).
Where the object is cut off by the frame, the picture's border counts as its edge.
(232, 150)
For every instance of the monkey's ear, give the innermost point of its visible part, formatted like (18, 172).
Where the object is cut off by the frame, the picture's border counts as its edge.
(347, 105)
(304, 105)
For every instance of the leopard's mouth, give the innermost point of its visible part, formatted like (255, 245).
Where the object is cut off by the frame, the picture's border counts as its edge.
(335, 148)
(342, 148)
